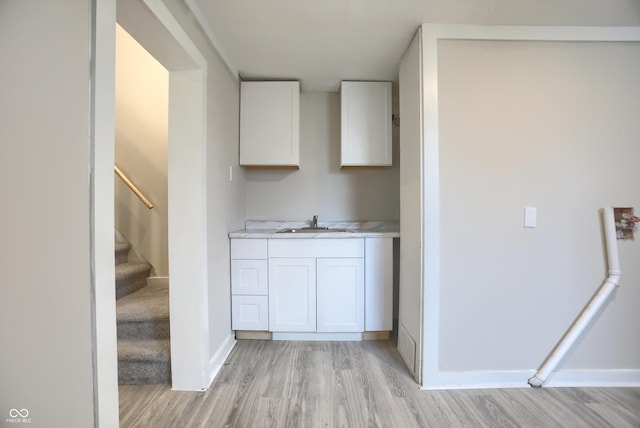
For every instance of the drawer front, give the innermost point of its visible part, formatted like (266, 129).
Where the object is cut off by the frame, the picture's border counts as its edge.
(250, 313)
(347, 247)
(248, 248)
(249, 277)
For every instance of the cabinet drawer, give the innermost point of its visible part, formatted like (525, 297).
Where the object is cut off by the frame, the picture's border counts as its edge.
(249, 277)
(250, 313)
(248, 248)
(349, 247)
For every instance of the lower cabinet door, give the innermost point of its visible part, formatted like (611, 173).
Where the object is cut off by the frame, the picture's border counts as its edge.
(340, 290)
(378, 267)
(250, 313)
(292, 294)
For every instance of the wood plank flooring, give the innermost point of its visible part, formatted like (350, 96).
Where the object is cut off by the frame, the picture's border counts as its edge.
(359, 384)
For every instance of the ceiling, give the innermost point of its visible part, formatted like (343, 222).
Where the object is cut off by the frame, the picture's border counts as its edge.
(321, 42)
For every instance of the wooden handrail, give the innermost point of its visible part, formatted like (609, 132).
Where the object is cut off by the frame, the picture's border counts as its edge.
(133, 187)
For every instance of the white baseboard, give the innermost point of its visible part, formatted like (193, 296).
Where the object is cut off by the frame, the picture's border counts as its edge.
(519, 379)
(218, 359)
(333, 337)
(478, 380)
(594, 378)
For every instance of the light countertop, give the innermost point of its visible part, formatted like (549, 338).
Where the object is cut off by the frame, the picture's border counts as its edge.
(354, 229)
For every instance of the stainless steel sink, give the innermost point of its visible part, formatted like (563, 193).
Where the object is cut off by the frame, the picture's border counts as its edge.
(311, 230)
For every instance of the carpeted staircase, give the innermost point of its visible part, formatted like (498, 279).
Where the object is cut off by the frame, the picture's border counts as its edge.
(142, 313)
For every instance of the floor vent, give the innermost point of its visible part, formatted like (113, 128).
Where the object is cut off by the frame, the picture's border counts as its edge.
(407, 349)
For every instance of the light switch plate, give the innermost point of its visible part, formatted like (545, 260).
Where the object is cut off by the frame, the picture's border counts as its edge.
(530, 217)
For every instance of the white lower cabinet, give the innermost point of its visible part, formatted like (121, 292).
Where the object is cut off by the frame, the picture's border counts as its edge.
(320, 286)
(316, 285)
(249, 285)
(340, 295)
(292, 294)
(379, 284)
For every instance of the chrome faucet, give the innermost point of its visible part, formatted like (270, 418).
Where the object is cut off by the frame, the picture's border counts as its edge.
(314, 222)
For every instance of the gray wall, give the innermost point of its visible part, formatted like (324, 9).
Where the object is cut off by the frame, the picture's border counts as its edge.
(548, 125)
(320, 186)
(45, 290)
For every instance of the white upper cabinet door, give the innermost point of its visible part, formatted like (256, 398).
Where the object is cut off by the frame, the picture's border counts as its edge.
(270, 123)
(340, 294)
(366, 124)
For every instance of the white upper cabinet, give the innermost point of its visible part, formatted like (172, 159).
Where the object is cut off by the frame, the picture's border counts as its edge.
(270, 123)
(366, 124)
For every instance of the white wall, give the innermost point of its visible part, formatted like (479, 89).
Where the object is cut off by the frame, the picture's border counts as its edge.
(320, 186)
(224, 204)
(103, 137)
(187, 231)
(142, 102)
(45, 250)
(554, 126)
(204, 205)
(410, 293)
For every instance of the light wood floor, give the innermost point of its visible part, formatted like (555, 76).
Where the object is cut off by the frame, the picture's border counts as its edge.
(360, 384)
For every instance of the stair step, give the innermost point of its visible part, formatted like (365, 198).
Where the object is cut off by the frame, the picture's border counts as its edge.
(143, 362)
(122, 252)
(131, 277)
(144, 314)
